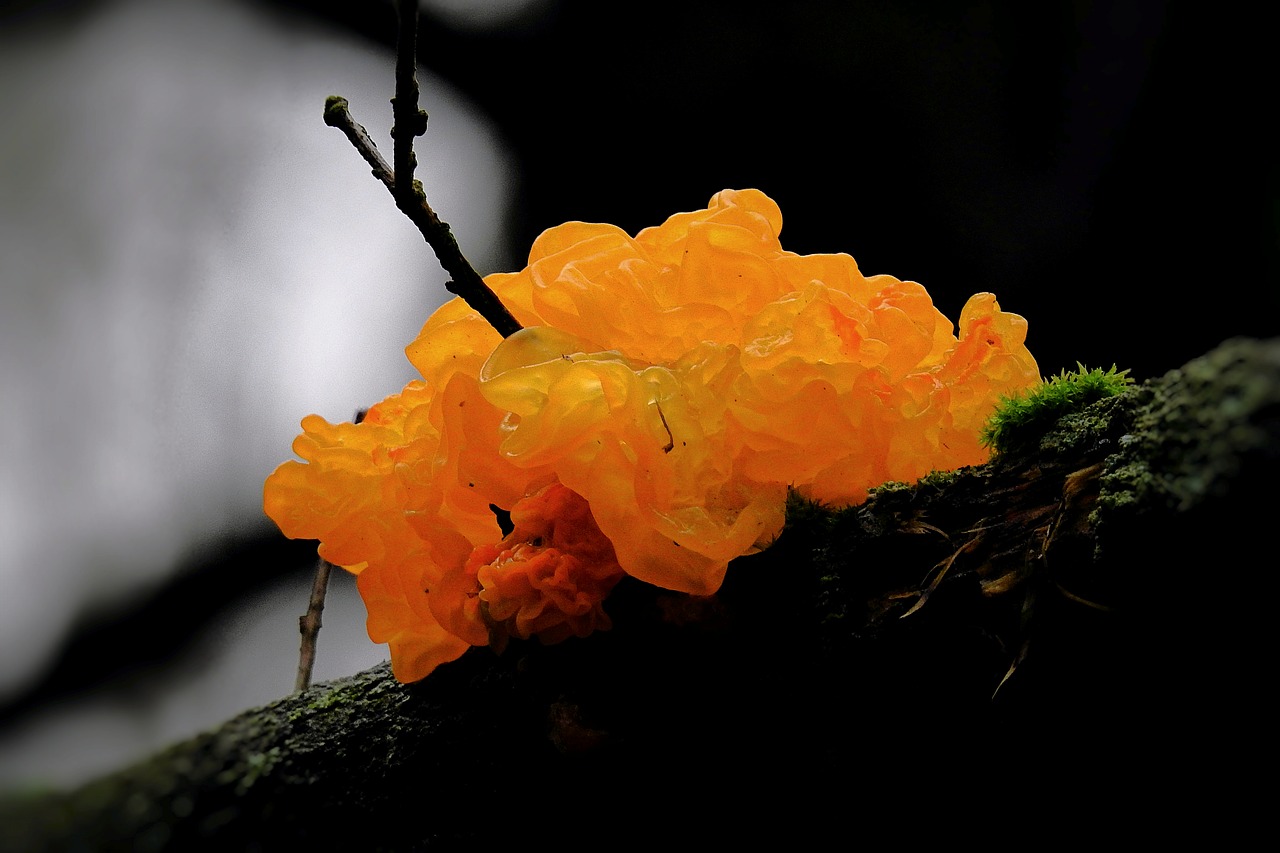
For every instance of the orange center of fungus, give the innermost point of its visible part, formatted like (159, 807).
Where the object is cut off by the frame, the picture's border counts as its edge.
(549, 576)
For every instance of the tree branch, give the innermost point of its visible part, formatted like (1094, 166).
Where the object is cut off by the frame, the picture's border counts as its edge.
(799, 703)
(309, 625)
(410, 122)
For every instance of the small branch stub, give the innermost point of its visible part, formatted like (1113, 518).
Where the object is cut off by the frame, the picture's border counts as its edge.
(309, 626)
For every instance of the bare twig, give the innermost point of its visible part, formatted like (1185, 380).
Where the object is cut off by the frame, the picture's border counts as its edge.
(337, 114)
(309, 626)
(409, 121)
(410, 198)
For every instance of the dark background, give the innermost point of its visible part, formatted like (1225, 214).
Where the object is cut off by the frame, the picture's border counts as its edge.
(1107, 169)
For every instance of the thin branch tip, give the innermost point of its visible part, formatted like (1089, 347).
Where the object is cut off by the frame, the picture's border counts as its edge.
(336, 108)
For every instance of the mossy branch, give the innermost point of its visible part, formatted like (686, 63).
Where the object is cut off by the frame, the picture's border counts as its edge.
(1025, 416)
(840, 683)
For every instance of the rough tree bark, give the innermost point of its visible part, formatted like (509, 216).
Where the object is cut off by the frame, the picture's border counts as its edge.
(1063, 642)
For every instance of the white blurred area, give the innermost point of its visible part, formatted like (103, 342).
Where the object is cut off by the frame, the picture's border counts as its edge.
(190, 262)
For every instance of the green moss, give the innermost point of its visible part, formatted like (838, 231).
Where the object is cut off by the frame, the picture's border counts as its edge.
(321, 697)
(334, 107)
(803, 512)
(1200, 434)
(256, 766)
(330, 698)
(939, 479)
(895, 489)
(1021, 419)
(890, 488)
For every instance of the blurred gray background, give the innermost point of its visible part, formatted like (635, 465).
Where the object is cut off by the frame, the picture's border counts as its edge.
(191, 261)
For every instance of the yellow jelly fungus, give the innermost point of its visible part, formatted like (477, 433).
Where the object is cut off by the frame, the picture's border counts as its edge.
(666, 391)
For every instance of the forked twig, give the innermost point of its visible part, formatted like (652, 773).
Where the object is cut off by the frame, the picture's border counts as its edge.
(410, 122)
(410, 198)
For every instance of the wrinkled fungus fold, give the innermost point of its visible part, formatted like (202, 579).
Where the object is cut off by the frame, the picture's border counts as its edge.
(666, 392)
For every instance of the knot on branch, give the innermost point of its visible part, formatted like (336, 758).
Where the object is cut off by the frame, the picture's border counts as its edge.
(414, 123)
